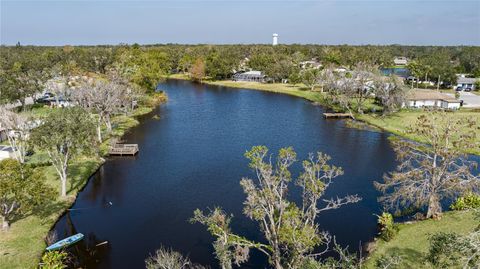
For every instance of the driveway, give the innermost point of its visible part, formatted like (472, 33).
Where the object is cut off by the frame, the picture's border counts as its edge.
(469, 99)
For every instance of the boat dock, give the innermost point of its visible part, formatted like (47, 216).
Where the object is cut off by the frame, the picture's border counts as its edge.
(337, 115)
(124, 149)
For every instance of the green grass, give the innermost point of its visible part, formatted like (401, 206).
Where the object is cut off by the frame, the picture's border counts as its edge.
(412, 240)
(398, 123)
(23, 244)
(298, 90)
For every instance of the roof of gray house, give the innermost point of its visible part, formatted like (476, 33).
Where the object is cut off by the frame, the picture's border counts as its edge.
(462, 80)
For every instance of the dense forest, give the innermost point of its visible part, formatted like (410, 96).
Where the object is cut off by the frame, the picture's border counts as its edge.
(145, 65)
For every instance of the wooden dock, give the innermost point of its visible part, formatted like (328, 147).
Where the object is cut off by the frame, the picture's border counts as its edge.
(337, 115)
(124, 149)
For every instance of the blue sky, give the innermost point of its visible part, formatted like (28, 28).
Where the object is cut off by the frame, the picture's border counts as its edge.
(225, 22)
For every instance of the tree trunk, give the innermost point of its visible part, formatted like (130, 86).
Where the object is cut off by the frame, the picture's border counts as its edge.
(278, 265)
(99, 132)
(5, 224)
(108, 123)
(434, 207)
(63, 179)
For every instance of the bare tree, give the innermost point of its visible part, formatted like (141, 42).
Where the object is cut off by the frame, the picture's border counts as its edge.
(59, 87)
(390, 92)
(429, 173)
(169, 259)
(17, 130)
(361, 89)
(291, 231)
(341, 92)
(327, 79)
(104, 98)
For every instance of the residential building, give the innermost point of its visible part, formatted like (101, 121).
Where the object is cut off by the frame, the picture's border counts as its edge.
(400, 61)
(466, 83)
(255, 76)
(431, 99)
(312, 64)
(6, 152)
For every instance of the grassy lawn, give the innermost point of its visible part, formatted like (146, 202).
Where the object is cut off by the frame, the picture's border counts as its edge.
(22, 246)
(411, 243)
(399, 122)
(299, 90)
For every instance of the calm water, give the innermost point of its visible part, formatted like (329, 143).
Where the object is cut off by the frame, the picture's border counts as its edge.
(192, 157)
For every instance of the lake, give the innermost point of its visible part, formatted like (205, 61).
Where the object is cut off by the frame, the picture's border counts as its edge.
(191, 156)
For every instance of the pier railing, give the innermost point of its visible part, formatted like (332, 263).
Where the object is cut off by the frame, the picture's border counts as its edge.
(124, 149)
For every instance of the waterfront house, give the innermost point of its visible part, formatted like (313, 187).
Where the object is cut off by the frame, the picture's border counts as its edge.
(400, 61)
(255, 76)
(431, 99)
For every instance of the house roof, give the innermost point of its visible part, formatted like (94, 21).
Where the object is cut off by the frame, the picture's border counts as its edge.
(418, 95)
(464, 80)
(253, 72)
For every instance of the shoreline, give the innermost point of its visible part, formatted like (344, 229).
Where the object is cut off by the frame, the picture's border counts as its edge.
(24, 257)
(404, 240)
(372, 120)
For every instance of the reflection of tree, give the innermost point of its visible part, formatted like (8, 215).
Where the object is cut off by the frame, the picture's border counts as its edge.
(88, 251)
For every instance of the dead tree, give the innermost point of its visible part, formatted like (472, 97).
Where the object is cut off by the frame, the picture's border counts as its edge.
(430, 172)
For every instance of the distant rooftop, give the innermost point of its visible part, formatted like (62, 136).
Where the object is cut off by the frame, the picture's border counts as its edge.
(418, 94)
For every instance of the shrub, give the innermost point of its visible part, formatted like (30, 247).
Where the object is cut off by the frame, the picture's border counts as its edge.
(388, 228)
(388, 261)
(450, 250)
(468, 201)
(54, 260)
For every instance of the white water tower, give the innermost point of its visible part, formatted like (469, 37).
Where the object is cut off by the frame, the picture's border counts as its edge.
(275, 40)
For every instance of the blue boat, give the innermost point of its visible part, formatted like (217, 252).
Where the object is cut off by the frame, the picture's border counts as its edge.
(66, 242)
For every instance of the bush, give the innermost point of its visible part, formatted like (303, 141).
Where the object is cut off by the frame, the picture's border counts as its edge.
(450, 250)
(388, 228)
(388, 261)
(468, 201)
(54, 260)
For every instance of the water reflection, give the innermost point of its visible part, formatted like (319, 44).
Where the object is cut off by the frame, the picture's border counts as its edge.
(193, 158)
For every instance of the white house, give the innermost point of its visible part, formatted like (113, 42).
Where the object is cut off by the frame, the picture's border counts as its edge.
(466, 83)
(6, 152)
(431, 99)
(256, 76)
(400, 61)
(312, 64)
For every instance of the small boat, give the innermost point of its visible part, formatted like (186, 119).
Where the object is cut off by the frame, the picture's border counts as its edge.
(66, 242)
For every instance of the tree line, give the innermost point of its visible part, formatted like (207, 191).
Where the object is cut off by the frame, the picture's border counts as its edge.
(24, 68)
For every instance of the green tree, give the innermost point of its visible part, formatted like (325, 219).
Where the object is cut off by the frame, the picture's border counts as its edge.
(416, 69)
(197, 70)
(291, 232)
(54, 260)
(450, 250)
(21, 190)
(218, 66)
(310, 78)
(65, 134)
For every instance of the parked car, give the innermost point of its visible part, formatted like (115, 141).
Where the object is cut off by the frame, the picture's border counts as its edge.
(468, 89)
(44, 98)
